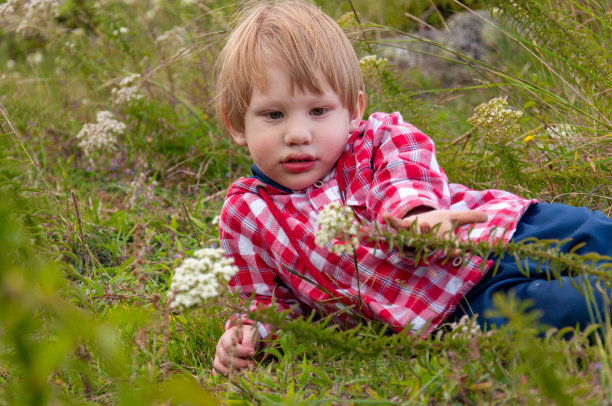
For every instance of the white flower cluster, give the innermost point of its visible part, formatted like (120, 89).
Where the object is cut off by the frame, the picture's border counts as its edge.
(141, 186)
(153, 8)
(35, 59)
(561, 131)
(10, 7)
(496, 120)
(198, 279)
(372, 66)
(466, 328)
(337, 222)
(127, 91)
(33, 15)
(101, 135)
(350, 25)
(171, 41)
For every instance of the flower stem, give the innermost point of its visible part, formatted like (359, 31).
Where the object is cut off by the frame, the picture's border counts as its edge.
(357, 276)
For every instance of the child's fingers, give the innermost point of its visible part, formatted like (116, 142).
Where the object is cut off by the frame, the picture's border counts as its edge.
(250, 337)
(229, 344)
(423, 226)
(462, 217)
(224, 363)
(235, 357)
(242, 351)
(393, 221)
(231, 353)
(405, 223)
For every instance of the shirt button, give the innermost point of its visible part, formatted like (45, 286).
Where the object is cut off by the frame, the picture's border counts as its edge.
(457, 262)
(318, 183)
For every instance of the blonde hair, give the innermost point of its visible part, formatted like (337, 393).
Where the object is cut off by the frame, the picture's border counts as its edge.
(301, 40)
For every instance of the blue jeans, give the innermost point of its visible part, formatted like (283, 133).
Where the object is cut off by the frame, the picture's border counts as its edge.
(559, 303)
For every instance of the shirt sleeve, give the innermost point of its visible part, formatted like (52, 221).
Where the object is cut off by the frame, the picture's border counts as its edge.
(255, 281)
(406, 173)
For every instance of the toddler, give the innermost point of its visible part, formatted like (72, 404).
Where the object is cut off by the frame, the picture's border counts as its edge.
(290, 89)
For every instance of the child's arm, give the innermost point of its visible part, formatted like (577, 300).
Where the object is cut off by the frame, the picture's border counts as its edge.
(242, 236)
(407, 180)
(235, 349)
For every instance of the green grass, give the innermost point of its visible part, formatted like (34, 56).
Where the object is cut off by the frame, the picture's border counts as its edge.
(89, 243)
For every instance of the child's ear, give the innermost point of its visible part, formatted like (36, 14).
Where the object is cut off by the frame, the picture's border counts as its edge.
(357, 113)
(238, 136)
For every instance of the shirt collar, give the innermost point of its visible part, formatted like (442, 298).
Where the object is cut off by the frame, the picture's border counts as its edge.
(260, 176)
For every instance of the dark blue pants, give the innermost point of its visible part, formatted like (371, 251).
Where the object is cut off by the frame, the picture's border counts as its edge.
(558, 301)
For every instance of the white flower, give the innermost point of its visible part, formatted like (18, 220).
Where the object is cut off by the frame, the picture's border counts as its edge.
(466, 328)
(141, 186)
(101, 135)
(9, 7)
(372, 66)
(127, 92)
(171, 41)
(198, 279)
(337, 222)
(563, 131)
(35, 59)
(38, 14)
(496, 120)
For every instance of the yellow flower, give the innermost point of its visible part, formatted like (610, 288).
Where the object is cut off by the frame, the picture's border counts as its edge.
(528, 138)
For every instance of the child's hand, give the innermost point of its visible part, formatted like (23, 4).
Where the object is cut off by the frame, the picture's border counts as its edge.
(235, 349)
(426, 219)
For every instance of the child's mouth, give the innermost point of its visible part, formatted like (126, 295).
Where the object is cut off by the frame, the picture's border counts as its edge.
(298, 164)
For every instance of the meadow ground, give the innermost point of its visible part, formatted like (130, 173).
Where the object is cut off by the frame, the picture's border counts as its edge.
(113, 169)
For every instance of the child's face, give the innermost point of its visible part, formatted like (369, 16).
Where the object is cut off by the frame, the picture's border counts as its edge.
(296, 138)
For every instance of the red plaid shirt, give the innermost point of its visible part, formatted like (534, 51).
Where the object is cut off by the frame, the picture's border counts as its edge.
(388, 166)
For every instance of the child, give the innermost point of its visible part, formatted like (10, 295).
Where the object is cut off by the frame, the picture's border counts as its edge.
(290, 89)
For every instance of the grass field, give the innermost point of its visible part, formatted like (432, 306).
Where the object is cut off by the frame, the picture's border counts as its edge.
(109, 181)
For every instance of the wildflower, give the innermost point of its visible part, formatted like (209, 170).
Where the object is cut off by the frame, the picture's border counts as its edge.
(465, 328)
(529, 138)
(337, 222)
(153, 9)
(171, 41)
(372, 66)
(141, 186)
(215, 220)
(101, 135)
(127, 92)
(496, 120)
(557, 131)
(10, 64)
(9, 7)
(38, 14)
(347, 20)
(35, 59)
(198, 279)
(350, 25)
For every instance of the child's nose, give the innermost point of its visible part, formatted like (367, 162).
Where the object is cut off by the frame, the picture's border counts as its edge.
(297, 132)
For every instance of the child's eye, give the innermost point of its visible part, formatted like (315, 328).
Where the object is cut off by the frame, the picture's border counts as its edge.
(274, 115)
(319, 111)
